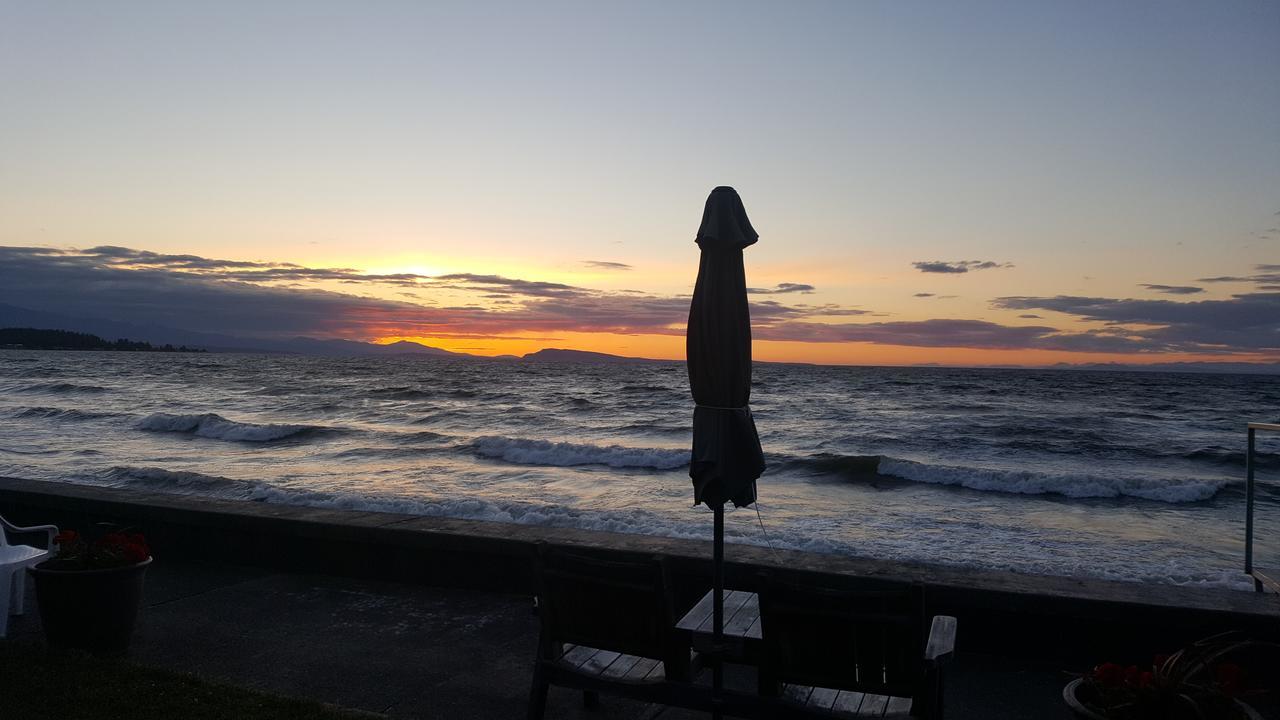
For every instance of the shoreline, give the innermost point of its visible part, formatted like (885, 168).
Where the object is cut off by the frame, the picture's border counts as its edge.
(1001, 608)
(493, 512)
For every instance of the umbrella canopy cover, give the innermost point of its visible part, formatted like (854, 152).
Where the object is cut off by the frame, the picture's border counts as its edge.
(727, 458)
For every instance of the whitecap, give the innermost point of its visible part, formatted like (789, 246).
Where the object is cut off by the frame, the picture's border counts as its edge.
(211, 425)
(563, 454)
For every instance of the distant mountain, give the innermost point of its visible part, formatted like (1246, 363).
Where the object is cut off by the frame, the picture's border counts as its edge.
(14, 316)
(313, 346)
(579, 356)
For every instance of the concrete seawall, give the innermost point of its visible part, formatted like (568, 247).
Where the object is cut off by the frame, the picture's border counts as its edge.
(1071, 619)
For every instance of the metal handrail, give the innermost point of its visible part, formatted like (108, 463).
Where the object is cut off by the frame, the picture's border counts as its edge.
(1260, 580)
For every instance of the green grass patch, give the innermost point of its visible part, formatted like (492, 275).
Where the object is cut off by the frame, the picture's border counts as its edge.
(38, 684)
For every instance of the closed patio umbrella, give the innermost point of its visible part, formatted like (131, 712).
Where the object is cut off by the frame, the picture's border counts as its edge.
(726, 458)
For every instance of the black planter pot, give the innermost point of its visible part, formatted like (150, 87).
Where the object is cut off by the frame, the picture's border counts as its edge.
(92, 610)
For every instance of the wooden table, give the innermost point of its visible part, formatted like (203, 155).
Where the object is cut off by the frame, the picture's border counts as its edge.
(742, 640)
(741, 618)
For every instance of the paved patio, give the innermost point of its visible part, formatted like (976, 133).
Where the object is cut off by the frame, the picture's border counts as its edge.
(409, 651)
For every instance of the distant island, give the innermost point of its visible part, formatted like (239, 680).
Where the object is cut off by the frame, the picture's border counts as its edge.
(580, 356)
(36, 339)
(21, 320)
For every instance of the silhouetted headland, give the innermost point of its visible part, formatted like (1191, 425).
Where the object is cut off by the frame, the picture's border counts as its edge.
(35, 339)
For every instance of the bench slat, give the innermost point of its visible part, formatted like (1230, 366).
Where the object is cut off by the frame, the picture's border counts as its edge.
(873, 706)
(575, 655)
(620, 667)
(606, 663)
(599, 662)
(746, 615)
(641, 669)
(798, 694)
(657, 670)
(733, 602)
(847, 702)
(822, 699)
(898, 707)
(697, 615)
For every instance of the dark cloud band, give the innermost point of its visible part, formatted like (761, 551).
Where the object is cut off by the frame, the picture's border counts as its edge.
(955, 267)
(248, 299)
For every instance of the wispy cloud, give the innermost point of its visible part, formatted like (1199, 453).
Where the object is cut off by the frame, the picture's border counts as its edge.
(1266, 274)
(516, 286)
(248, 299)
(949, 332)
(1245, 322)
(606, 265)
(1173, 289)
(123, 256)
(953, 267)
(237, 297)
(782, 289)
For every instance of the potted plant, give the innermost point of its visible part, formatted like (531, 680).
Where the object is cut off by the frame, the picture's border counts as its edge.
(1211, 678)
(90, 590)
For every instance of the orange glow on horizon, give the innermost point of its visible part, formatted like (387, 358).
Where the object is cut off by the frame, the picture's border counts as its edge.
(671, 347)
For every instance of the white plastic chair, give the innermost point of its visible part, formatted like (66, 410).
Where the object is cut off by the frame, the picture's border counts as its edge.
(14, 560)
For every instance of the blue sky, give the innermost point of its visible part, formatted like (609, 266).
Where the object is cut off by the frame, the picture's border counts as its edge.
(1087, 150)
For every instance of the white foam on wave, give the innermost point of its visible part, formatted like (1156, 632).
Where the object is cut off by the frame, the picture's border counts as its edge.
(563, 454)
(464, 508)
(170, 479)
(1026, 482)
(211, 425)
(637, 521)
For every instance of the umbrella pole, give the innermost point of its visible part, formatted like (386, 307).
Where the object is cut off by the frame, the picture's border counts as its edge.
(717, 584)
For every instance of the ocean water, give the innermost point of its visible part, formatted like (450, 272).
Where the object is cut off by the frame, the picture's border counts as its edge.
(1130, 476)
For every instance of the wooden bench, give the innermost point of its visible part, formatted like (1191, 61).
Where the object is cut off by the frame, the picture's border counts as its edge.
(608, 626)
(840, 652)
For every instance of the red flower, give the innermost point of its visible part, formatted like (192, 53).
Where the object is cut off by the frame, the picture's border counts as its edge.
(140, 541)
(1145, 679)
(95, 552)
(135, 553)
(1109, 675)
(1131, 675)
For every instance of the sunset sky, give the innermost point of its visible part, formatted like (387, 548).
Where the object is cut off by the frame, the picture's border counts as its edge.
(954, 183)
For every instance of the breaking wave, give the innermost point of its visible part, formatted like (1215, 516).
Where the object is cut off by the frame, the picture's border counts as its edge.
(210, 425)
(168, 480)
(632, 521)
(562, 454)
(1072, 485)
